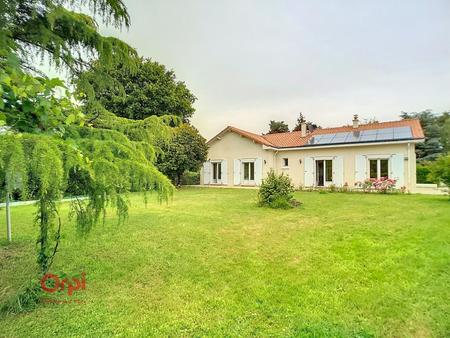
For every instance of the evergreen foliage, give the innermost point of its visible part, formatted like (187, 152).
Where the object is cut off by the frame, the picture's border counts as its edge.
(52, 28)
(186, 152)
(150, 90)
(50, 145)
(278, 127)
(310, 126)
(436, 128)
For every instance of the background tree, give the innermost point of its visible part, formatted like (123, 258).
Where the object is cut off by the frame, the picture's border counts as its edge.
(310, 126)
(150, 90)
(186, 152)
(278, 127)
(436, 130)
(440, 170)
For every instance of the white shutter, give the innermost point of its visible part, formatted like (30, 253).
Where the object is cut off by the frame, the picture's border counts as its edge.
(397, 170)
(206, 172)
(258, 171)
(224, 173)
(237, 172)
(309, 172)
(360, 168)
(338, 171)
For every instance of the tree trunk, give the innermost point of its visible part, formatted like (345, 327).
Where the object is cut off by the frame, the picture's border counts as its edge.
(8, 218)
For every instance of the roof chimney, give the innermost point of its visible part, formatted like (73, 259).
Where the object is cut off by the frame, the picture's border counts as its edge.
(303, 129)
(355, 121)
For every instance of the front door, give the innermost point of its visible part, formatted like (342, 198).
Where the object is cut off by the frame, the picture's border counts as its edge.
(324, 173)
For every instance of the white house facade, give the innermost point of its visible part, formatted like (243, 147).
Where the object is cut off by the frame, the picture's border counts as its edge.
(324, 157)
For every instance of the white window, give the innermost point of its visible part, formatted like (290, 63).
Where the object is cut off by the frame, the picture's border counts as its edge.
(248, 172)
(216, 172)
(285, 162)
(378, 168)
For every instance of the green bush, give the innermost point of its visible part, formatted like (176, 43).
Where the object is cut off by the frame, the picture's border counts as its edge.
(190, 178)
(422, 173)
(276, 192)
(440, 170)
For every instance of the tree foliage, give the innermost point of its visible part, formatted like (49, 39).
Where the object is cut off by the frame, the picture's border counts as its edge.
(310, 126)
(68, 38)
(50, 145)
(43, 160)
(278, 127)
(440, 170)
(186, 152)
(437, 134)
(150, 90)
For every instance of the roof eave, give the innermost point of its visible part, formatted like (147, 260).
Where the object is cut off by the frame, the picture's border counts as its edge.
(340, 145)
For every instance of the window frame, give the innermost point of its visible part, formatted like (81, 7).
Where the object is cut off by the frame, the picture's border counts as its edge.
(285, 162)
(378, 163)
(248, 172)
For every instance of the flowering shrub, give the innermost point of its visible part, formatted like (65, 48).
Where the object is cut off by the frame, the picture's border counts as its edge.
(382, 185)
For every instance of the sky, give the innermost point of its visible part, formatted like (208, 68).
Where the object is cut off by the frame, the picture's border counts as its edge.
(249, 62)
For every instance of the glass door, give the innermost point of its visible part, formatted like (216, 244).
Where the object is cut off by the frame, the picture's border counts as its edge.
(249, 173)
(324, 173)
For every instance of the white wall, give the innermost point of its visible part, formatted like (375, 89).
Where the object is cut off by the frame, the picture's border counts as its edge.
(232, 146)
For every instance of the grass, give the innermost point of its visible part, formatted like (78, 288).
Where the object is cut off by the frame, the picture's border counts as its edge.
(212, 263)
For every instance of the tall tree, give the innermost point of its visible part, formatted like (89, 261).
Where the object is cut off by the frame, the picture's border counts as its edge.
(51, 28)
(186, 152)
(150, 90)
(310, 126)
(433, 126)
(278, 127)
(50, 139)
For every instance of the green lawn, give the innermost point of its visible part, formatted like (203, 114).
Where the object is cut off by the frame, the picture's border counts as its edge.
(212, 263)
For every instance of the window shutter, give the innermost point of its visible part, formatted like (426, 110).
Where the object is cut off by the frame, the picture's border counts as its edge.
(237, 172)
(360, 168)
(258, 171)
(338, 171)
(309, 172)
(397, 170)
(206, 172)
(224, 172)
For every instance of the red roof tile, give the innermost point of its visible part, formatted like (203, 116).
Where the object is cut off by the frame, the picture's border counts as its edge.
(294, 138)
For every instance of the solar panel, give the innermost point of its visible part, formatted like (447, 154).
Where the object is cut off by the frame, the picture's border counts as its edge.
(372, 135)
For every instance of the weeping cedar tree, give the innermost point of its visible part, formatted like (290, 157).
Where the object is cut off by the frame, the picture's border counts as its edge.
(104, 162)
(48, 143)
(186, 152)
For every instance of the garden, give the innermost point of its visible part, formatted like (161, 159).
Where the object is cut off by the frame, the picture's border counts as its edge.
(103, 240)
(211, 262)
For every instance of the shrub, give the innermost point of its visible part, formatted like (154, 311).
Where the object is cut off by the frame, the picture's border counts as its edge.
(422, 173)
(440, 170)
(190, 178)
(382, 185)
(276, 191)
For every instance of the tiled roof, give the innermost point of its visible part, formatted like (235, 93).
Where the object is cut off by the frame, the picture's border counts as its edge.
(294, 139)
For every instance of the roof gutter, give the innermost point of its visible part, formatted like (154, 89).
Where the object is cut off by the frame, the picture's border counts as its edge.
(359, 144)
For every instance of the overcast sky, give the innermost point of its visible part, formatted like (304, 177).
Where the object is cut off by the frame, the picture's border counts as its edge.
(252, 61)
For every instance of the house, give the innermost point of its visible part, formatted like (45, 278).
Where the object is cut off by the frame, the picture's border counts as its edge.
(324, 157)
